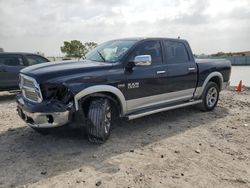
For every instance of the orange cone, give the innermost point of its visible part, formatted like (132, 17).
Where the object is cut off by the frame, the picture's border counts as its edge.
(239, 87)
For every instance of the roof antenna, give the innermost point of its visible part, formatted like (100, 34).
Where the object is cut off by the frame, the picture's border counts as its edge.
(179, 37)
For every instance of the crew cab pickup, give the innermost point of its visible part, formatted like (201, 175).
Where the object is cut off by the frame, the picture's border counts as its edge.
(128, 78)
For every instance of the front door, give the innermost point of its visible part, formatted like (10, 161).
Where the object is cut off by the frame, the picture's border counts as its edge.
(143, 84)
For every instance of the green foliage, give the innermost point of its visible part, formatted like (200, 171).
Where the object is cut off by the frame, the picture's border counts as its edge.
(75, 48)
(218, 54)
(222, 54)
(89, 45)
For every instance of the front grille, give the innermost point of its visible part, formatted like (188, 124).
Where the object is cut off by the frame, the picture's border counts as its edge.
(30, 89)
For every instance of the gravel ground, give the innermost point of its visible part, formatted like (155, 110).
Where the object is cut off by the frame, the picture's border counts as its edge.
(179, 148)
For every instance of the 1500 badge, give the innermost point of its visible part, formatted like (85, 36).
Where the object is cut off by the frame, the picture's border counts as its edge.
(133, 85)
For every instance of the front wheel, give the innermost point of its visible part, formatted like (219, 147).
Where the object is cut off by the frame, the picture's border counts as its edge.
(210, 97)
(99, 120)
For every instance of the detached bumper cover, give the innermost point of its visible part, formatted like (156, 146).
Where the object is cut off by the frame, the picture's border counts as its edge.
(55, 116)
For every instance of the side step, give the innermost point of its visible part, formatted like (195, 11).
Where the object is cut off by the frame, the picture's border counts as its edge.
(145, 113)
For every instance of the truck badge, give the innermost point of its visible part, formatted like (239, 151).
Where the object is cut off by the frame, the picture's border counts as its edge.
(121, 85)
(133, 85)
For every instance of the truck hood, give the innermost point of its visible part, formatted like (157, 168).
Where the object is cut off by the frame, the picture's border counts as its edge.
(57, 70)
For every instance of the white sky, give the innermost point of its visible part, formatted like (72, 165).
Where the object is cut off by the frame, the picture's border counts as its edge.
(42, 25)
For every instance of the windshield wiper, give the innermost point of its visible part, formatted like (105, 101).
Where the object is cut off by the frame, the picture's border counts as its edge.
(100, 54)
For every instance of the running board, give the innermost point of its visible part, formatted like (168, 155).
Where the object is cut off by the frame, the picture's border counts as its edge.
(134, 116)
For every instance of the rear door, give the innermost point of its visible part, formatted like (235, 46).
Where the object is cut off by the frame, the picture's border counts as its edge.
(10, 65)
(181, 71)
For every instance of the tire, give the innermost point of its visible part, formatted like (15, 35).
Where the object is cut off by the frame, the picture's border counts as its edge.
(210, 97)
(42, 131)
(100, 118)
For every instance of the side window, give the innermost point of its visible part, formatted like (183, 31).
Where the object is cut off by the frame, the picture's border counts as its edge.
(176, 52)
(11, 60)
(34, 59)
(152, 48)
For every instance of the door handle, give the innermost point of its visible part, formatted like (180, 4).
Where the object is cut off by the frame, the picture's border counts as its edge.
(160, 72)
(191, 69)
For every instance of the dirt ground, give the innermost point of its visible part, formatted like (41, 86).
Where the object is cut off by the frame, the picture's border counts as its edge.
(179, 148)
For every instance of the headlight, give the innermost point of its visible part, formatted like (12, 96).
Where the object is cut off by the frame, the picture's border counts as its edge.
(56, 92)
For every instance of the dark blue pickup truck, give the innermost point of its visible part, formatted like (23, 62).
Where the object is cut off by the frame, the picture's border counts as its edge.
(127, 78)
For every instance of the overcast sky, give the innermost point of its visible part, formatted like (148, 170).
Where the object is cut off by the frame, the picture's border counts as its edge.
(42, 25)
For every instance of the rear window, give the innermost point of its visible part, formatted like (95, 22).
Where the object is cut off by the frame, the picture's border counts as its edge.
(11, 61)
(176, 52)
(35, 59)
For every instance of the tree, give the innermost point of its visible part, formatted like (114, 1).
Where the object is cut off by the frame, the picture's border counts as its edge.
(75, 48)
(90, 45)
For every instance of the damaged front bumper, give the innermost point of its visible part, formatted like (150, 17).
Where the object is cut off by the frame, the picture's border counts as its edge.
(44, 115)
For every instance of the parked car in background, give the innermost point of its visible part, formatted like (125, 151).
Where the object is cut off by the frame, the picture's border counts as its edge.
(11, 64)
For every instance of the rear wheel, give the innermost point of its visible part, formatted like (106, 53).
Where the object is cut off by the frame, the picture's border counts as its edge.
(210, 97)
(100, 116)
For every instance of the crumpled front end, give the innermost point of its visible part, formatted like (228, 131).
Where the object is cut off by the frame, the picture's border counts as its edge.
(44, 105)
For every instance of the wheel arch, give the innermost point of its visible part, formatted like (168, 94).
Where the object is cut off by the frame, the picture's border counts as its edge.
(107, 91)
(217, 80)
(214, 77)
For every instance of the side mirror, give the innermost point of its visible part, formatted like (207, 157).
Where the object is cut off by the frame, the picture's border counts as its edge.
(142, 60)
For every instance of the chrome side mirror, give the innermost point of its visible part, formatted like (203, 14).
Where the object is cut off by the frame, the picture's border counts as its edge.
(142, 60)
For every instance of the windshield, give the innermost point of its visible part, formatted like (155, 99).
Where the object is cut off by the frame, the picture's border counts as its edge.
(110, 51)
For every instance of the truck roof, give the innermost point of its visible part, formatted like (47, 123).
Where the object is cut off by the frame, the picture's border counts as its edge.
(18, 53)
(153, 38)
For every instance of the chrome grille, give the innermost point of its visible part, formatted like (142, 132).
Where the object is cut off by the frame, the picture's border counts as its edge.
(30, 89)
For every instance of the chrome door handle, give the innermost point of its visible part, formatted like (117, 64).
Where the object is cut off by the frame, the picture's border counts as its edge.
(160, 72)
(191, 69)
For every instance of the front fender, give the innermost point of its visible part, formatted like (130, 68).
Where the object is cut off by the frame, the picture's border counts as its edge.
(98, 89)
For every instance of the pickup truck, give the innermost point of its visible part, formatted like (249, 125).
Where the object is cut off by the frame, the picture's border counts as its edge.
(128, 78)
(10, 65)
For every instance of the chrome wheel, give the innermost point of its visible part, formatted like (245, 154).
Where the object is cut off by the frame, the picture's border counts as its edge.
(107, 119)
(212, 96)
